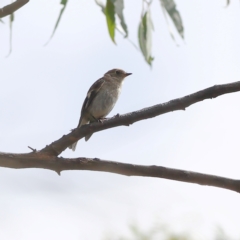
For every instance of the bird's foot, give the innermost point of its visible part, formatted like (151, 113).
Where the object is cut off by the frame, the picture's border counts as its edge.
(101, 120)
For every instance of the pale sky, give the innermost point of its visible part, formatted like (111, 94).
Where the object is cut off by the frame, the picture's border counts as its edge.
(42, 91)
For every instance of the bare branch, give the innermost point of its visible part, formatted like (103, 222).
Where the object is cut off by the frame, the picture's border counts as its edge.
(47, 157)
(11, 8)
(40, 160)
(60, 145)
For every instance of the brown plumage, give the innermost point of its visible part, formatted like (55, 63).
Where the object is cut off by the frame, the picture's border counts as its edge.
(101, 98)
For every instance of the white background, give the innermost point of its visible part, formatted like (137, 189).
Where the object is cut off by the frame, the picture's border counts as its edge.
(42, 90)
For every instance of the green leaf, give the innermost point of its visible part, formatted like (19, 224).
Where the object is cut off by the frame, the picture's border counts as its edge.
(114, 7)
(145, 36)
(170, 7)
(64, 4)
(119, 6)
(110, 17)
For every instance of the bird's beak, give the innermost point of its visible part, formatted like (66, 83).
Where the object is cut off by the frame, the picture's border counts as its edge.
(127, 74)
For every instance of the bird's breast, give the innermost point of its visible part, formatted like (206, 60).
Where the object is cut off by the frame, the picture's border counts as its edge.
(104, 102)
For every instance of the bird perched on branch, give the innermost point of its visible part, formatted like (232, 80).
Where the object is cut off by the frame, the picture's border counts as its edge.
(101, 98)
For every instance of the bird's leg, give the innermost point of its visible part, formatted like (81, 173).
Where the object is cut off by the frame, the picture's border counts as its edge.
(101, 119)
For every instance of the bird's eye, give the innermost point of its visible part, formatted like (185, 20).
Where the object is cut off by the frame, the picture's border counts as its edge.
(118, 72)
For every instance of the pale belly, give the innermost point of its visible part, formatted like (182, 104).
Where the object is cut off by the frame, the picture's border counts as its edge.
(103, 103)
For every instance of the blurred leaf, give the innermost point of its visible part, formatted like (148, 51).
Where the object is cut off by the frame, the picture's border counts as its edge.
(123, 29)
(110, 17)
(64, 4)
(1, 21)
(119, 6)
(145, 36)
(11, 19)
(101, 5)
(170, 7)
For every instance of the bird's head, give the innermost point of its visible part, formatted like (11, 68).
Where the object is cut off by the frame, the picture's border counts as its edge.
(117, 74)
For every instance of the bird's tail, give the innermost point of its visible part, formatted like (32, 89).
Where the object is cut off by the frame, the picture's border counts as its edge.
(81, 122)
(73, 146)
(87, 137)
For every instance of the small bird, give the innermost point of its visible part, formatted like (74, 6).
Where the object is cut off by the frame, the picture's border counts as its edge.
(101, 98)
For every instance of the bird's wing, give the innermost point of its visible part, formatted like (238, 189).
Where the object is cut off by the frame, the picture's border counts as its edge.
(92, 92)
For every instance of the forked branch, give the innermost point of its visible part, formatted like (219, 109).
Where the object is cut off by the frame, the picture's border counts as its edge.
(47, 158)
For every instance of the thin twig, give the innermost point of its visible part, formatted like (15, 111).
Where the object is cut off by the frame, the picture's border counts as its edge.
(34, 150)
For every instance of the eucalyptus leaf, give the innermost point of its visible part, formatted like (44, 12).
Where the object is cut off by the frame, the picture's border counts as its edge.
(119, 6)
(145, 36)
(170, 7)
(118, 10)
(110, 17)
(64, 4)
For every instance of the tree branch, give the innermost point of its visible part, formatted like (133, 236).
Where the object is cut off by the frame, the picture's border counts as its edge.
(61, 144)
(40, 160)
(11, 8)
(47, 157)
